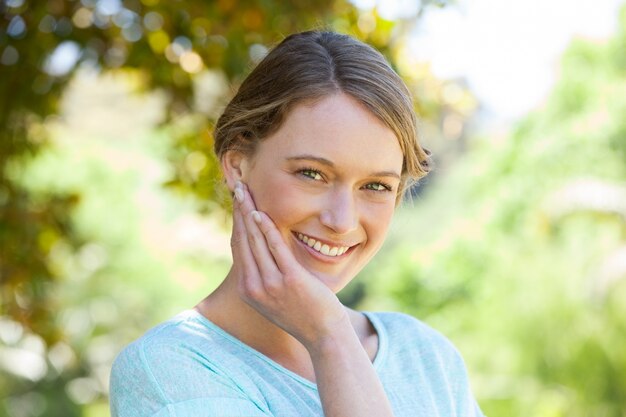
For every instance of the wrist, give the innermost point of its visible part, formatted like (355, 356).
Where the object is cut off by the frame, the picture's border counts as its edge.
(339, 335)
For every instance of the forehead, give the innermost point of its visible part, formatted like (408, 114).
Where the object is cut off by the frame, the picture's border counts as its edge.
(338, 128)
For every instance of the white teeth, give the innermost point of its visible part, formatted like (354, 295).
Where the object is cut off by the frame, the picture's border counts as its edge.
(323, 248)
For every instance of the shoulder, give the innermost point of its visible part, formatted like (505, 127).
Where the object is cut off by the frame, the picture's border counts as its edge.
(176, 362)
(401, 326)
(422, 357)
(155, 345)
(409, 336)
(425, 362)
(133, 384)
(141, 372)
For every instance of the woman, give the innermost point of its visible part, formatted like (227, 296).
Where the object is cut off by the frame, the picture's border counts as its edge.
(317, 147)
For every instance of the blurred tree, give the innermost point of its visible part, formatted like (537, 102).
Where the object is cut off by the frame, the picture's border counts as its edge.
(43, 43)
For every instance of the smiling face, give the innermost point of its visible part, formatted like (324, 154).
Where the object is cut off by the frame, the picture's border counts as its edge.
(328, 178)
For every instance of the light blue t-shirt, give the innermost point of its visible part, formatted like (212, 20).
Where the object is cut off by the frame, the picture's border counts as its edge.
(189, 367)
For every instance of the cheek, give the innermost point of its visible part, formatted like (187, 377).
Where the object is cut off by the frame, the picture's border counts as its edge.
(279, 200)
(378, 220)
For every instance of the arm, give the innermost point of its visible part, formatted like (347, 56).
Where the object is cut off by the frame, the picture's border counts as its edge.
(277, 286)
(347, 382)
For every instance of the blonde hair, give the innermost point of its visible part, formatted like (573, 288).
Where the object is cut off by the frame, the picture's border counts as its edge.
(310, 66)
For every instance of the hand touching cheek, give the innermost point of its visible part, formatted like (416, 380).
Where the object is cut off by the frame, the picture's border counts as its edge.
(274, 283)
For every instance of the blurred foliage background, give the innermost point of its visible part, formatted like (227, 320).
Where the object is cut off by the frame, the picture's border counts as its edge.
(112, 217)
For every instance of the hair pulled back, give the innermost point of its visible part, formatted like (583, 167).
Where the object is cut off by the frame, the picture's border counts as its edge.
(309, 66)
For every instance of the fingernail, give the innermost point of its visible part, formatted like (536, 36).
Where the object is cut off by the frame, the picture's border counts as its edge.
(256, 216)
(239, 194)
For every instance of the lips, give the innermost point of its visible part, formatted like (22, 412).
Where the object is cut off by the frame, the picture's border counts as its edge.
(323, 248)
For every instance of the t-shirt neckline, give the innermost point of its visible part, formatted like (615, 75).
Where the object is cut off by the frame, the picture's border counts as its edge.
(378, 361)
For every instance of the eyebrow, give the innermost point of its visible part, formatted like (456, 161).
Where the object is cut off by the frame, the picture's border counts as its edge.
(330, 164)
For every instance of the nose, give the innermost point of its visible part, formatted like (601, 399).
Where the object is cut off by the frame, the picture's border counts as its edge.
(340, 213)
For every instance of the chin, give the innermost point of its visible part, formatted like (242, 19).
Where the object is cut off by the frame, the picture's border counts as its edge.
(334, 282)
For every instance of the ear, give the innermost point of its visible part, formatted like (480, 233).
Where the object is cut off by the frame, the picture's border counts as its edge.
(235, 167)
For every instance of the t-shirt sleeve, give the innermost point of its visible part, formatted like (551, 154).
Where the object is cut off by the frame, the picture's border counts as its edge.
(166, 379)
(440, 368)
(466, 405)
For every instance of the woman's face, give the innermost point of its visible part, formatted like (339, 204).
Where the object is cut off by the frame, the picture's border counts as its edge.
(328, 178)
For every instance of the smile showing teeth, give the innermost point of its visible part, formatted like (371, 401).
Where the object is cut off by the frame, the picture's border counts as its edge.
(322, 248)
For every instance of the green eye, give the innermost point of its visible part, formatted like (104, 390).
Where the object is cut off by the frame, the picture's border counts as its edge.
(378, 186)
(311, 173)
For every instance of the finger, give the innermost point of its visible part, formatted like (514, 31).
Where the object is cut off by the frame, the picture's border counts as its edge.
(243, 258)
(244, 198)
(276, 244)
(271, 278)
(256, 239)
(260, 250)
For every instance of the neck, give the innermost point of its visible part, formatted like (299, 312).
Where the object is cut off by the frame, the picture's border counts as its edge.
(225, 308)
